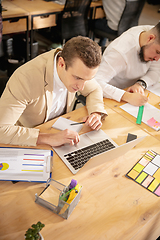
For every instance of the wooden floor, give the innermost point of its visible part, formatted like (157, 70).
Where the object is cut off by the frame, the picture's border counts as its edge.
(149, 15)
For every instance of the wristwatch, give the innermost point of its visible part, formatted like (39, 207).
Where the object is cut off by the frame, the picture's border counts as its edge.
(142, 84)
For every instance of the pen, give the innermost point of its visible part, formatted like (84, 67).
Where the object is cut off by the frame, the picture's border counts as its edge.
(77, 123)
(148, 94)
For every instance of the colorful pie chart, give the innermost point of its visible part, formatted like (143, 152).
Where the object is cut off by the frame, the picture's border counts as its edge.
(4, 166)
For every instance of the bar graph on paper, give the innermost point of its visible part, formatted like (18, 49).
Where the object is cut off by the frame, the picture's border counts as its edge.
(25, 164)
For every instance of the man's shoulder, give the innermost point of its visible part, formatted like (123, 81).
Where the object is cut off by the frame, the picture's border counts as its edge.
(129, 39)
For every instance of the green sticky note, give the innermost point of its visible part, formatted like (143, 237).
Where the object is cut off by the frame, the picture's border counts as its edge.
(140, 114)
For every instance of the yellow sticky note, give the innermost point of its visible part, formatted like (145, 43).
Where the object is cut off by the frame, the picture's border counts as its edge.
(138, 167)
(133, 174)
(157, 175)
(141, 177)
(153, 185)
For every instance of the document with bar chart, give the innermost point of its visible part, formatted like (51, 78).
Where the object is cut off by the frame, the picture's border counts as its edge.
(25, 164)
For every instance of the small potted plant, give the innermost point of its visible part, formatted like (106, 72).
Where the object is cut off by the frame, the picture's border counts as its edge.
(34, 232)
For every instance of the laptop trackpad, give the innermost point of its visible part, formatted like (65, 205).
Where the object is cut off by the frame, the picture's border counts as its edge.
(97, 136)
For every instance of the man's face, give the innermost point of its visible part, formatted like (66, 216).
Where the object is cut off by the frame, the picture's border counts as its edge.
(75, 77)
(150, 52)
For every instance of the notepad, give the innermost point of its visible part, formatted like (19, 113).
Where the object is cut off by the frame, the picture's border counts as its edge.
(151, 114)
(25, 164)
(146, 172)
(64, 123)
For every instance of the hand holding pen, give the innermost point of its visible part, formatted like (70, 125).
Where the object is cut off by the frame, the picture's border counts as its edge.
(93, 121)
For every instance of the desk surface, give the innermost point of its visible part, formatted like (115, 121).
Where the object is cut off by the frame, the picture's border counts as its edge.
(153, 100)
(38, 6)
(111, 206)
(12, 10)
(41, 6)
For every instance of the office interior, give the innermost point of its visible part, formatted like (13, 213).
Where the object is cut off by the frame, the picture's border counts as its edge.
(134, 225)
(46, 39)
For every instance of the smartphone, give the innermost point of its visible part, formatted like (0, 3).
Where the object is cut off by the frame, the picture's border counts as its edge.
(131, 137)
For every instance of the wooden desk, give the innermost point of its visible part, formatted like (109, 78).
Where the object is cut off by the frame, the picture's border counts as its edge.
(42, 11)
(111, 206)
(153, 100)
(15, 19)
(42, 14)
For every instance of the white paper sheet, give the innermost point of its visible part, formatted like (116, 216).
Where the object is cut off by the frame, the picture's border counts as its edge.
(151, 114)
(64, 123)
(155, 89)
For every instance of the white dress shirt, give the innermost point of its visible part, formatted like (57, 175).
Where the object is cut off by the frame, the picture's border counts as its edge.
(113, 10)
(121, 66)
(59, 95)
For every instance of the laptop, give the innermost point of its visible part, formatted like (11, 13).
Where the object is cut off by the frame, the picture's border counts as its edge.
(94, 149)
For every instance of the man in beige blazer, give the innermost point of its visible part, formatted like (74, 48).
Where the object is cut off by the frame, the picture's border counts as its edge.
(44, 88)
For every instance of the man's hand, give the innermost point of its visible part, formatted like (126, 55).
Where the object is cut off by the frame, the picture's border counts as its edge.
(58, 139)
(136, 99)
(136, 88)
(94, 121)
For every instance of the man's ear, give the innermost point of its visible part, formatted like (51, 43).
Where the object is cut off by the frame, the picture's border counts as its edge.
(151, 38)
(61, 62)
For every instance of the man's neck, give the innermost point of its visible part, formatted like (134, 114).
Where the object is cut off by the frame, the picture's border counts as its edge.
(142, 38)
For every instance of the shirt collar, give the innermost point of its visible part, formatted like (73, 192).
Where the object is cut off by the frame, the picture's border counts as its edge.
(56, 77)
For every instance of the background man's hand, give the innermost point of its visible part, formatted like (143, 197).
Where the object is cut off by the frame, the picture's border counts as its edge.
(136, 88)
(136, 99)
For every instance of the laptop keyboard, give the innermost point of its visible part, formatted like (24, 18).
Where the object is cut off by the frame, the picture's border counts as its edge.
(79, 157)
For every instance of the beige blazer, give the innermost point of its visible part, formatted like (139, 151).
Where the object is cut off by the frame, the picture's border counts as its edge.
(27, 99)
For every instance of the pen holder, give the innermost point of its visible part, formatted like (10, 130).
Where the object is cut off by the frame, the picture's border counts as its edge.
(51, 196)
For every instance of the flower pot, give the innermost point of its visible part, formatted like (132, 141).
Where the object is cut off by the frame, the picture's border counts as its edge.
(41, 237)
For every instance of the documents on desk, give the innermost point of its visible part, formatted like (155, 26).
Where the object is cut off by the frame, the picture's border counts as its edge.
(95, 146)
(24, 164)
(151, 114)
(64, 123)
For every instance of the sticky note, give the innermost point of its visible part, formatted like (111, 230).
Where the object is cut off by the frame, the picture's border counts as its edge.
(150, 169)
(143, 162)
(157, 175)
(138, 167)
(153, 123)
(147, 181)
(141, 177)
(153, 185)
(133, 174)
(157, 192)
(156, 160)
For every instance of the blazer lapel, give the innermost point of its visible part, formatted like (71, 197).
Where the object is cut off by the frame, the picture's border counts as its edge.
(70, 98)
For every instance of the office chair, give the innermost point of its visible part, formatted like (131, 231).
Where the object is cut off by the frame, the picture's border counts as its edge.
(79, 99)
(129, 18)
(74, 19)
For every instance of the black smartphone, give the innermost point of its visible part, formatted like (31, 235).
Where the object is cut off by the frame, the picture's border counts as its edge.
(131, 137)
